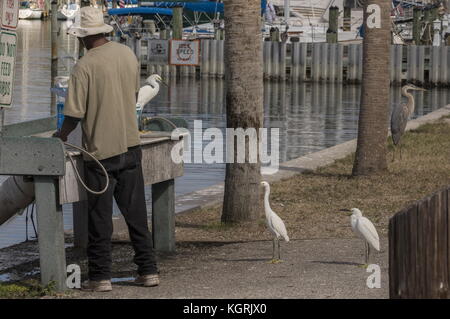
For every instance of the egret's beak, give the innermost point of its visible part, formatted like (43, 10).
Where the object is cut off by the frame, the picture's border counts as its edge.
(420, 89)
(162, 82)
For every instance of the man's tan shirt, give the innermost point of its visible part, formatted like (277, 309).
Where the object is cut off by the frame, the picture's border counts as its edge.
(102, 92)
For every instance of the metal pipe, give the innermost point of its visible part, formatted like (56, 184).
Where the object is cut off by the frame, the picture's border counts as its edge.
(15, 195)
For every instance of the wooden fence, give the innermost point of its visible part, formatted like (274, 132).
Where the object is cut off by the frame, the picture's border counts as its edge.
(419, 249)
(313, 62)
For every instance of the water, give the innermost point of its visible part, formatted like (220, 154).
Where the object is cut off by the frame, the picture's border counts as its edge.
(310, 117)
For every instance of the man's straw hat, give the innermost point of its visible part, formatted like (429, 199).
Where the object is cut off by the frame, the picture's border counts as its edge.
(89, 22)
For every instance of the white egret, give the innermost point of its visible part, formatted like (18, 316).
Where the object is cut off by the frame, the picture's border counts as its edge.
(365, 230)
(274, 223)
(147, 93)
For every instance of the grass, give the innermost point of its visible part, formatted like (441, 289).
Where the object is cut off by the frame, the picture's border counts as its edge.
(26, 289)
(309, 203)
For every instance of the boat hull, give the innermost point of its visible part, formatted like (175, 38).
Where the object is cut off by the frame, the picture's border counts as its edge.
(30, 14)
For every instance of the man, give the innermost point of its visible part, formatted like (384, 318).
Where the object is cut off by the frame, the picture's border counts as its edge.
(102, 95)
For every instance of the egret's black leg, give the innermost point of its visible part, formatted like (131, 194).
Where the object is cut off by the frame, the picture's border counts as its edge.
(273, 250)
(366, 246)
(279, 250)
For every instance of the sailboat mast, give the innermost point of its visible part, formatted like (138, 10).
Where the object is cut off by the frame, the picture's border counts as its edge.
(287, 9)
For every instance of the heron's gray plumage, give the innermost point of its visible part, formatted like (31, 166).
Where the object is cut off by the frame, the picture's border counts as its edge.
(402, 113)
(399, 119)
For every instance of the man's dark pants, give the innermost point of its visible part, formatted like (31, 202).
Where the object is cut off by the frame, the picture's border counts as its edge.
(127, 187)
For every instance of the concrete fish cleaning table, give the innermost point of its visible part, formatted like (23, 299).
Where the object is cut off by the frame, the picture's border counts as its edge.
(43, 161)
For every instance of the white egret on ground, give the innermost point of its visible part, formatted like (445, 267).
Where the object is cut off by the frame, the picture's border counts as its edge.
(365, 230)
(147, 93)
(274, 223)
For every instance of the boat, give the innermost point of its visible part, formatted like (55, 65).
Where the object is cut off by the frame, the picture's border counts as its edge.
(29, 14)
(68, 11)
(307, 20)
(30, 10)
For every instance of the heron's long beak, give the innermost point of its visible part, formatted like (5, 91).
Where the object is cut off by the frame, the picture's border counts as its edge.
(420, 89)
(162, 82)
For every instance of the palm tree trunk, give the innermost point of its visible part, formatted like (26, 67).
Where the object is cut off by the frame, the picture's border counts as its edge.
(244, 80)
(374, 111)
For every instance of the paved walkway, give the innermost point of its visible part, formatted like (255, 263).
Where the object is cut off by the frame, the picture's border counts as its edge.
(320, 268)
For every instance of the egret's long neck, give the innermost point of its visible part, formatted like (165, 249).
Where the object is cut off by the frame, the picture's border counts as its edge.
(266, 199)
(410, 98)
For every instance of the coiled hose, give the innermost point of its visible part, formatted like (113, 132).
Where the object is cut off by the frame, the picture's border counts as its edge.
(78, 173)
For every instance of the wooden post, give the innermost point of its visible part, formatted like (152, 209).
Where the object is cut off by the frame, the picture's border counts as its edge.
(163, 216)
(303, 61)
(315, 62)
(412, 63)
(435, 65)
(417, 25)
(352, 68)
(359, 62)
(220, 59)
(282, 65)
(212, 58)
(54, 62)
(177, 23)
(347, 19)
(332, 65)
(52, 253)
(274, 35)
(267, 59)
(295, 61)
(332, 32)
(323, 62)
(275, 59)
(340, 63)
(421, 65)
(204, 71)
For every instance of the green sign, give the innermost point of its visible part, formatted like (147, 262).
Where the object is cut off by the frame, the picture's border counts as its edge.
(8, 40)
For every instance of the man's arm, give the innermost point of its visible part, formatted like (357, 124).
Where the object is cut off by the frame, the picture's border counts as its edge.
(69, 124)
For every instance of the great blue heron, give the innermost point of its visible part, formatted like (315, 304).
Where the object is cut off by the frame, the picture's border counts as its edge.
(401, 115)
(365, 230)
(275, 223)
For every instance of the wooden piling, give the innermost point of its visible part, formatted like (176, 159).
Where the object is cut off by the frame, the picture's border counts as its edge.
(54, 57)
(323, 62)
(340, 63)
(212, 58)
(332, 62)
(315, 63)
(220, 59)
(412, 63)
(421, 65)
(417, 25)
(282, 61)
(204, 68)
(435, 65)
(177, 23)
(332, 32)
(267, 57)
(275, 60)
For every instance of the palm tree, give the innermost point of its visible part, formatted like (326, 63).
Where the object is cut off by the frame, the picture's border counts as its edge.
(244, 98)
(374, 111)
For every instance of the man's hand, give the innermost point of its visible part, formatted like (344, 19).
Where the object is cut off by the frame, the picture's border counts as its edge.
(58, 135)
(69, 124)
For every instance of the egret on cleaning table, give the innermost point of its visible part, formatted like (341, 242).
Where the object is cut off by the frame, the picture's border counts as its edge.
(365, 230)
(401, 115)
(147, 93)
(274, 223)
